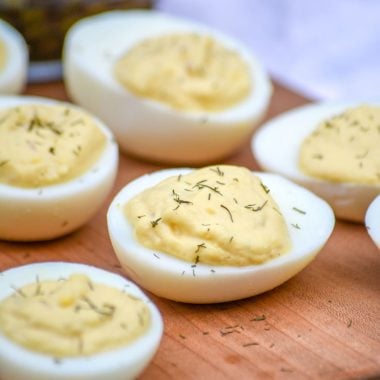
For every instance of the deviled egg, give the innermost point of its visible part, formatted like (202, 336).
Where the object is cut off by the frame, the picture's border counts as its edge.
(57, 165)
(215, 234)
(171, 90)
(372, 220)
(13, 60)
(332, 149)
(73, 321)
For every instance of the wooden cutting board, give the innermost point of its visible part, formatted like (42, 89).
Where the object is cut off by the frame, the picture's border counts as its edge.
(322, 324)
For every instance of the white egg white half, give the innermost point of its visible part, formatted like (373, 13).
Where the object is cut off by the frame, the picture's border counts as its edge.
(14, 73)
(146, 127)
(372, 220)
(18, 363)
(47, 212)
(276, 147)
(172, 278)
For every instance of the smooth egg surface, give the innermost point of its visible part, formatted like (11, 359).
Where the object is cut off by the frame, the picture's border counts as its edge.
(143, 126)
(18, 363)
(276, 147)
(13, 60)
(50, 211)
(173, 278)
(372, 221)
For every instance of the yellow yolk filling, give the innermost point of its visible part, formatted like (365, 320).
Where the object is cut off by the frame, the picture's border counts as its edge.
(345, 148)
(189, 72)
(218, 215)
(72, 317)
(47, 144)
(3, 54)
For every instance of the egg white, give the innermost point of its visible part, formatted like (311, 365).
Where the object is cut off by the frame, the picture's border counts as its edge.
(18, 363)
(146, 127)
(372, 220)
(276, 147)
(14, 74)
(170, 277)
(47, 212)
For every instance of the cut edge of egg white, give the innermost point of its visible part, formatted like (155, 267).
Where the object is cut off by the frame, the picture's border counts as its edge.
(48, 212)
(276, 145)
(19, 363)
(372, 221)
(143, 126)
(14, 73)
(172, 278)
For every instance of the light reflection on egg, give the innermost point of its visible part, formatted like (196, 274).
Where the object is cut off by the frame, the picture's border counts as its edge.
(13, 60)
(276, 146)
(172, 278)
(372, 220)
(47, 212)
(142, 126)
(18, 363)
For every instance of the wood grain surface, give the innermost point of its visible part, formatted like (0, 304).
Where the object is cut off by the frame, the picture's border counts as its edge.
(322, 324)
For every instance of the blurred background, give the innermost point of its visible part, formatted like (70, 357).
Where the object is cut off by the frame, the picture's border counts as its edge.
(322, 49)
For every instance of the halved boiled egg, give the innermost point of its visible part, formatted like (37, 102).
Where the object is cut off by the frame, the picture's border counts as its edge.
(74, 313)
(57, 165)
(13, 59)
(347, 162)
(171, 90)
(372, 220)
(308, 221)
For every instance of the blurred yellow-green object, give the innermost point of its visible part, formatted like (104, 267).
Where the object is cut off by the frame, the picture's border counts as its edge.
(44, 23)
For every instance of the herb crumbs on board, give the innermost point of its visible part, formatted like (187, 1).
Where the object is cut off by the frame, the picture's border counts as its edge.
(250, 344)
(257, 318)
